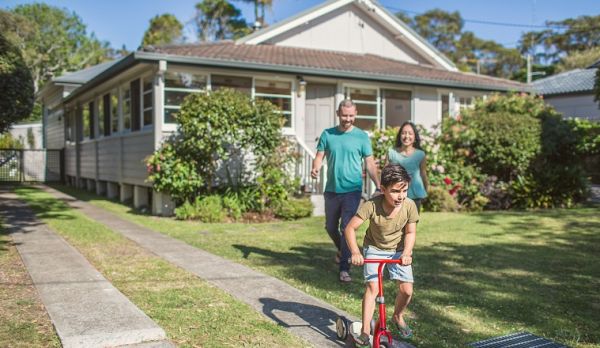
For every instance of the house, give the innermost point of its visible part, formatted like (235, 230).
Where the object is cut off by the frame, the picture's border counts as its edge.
(571, 92)
(121, 111)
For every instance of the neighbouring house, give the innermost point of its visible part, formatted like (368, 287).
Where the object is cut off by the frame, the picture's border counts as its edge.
(118, 113)
(571, 92)
(29, 134)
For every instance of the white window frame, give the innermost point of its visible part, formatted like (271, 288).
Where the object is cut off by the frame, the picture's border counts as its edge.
(99, 111)
(377, 103)
(171, 125)
(115, 112)
(147, 78)
(286, 130)
(122, 88)
(86, 106)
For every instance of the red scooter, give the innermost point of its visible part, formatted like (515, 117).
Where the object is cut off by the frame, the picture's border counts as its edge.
(345, 326)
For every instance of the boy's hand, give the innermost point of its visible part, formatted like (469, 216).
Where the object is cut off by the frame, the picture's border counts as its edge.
(357, 259)
(406, 260)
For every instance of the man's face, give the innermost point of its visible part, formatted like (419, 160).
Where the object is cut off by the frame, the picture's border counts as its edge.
(347, 115)
(395, 194)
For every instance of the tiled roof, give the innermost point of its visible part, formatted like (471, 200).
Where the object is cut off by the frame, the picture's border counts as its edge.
(343, 64)
(578, 80)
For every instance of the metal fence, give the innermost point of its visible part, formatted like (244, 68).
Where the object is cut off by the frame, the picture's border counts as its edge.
(17, 165)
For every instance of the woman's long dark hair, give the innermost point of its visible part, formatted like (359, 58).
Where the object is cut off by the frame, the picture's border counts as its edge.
(417, 143)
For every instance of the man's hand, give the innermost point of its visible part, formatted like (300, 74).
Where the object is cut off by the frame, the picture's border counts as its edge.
(315, 173)
(357, 259)
(406, 260)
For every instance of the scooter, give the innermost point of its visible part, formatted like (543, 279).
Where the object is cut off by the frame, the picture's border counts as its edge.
(345, 327)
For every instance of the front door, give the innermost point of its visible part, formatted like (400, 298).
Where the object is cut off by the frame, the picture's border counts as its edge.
(320, 112)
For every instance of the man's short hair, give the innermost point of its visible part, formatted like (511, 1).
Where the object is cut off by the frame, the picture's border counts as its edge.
(346, 103)
(393, 174)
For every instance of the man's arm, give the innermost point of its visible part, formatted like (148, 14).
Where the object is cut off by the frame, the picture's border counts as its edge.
(410, 235)
(350, 235)
(372, 170)
(316, 165)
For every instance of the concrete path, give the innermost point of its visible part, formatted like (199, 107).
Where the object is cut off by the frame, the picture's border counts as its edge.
(85, 308)
(305, 316)
(595, 193)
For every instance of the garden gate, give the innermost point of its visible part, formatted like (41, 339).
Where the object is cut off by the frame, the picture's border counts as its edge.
(18, 165)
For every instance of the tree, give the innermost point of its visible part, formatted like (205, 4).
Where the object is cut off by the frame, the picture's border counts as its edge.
(440, 28)
(164, 29)
(563, 38)
(52, 40)
(16, 85)
(259, 6)
(579, 60)
(219, 20)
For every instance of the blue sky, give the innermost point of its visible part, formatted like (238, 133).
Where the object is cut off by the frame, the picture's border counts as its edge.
(124, 22)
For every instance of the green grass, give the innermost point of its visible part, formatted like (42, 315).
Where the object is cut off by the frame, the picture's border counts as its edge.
(477, 275)
(192, 312)
(23, 319)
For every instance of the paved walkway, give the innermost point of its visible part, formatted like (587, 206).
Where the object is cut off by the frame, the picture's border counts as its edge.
(595, 193)
(305, 316)
(85, 308)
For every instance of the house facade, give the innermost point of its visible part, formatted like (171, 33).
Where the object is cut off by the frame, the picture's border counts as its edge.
(110, 117)
(571, 93)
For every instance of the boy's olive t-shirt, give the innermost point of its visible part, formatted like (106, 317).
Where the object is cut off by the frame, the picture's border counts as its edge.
(383, 232)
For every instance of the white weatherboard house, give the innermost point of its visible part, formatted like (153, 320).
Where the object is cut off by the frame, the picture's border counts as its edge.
(110, 117)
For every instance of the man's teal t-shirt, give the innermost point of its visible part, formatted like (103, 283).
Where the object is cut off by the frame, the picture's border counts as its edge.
(344, 152)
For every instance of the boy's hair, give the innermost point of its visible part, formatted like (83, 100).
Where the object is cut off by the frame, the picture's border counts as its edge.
(393, 174)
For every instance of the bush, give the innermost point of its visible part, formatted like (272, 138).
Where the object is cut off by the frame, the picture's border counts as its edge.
(206, 209)
(438, 199)
(294, 208)
(233, 206)
(383, 139)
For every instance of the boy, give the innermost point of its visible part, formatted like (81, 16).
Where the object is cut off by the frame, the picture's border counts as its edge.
(391, 234)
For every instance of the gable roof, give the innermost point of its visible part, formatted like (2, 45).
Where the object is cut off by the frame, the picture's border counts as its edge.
(84, 75)
(372, 8)
(573, 81)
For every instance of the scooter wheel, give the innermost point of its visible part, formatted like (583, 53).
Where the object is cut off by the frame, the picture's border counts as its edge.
(341, 328)
(385, 345)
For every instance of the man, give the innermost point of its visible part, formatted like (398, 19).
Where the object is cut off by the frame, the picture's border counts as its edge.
(346, 147)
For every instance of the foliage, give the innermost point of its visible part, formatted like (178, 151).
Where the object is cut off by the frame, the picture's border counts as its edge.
(53, 40)
(219, 20)
(16, 85)
(294, 208)
(383, 139)
(7, 141)
(228, 132)
(260, 5)
(579, 59)
(444, 30)
(564, 38)
(439, 199)
(164, 29)
(205, 209)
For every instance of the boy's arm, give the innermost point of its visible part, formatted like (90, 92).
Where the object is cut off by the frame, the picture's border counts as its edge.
(350, 235)
(410, 235)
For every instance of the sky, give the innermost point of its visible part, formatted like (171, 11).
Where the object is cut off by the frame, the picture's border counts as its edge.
(124, 22)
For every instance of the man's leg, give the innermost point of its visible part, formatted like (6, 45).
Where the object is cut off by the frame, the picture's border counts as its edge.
(349, 205)
(333, 213)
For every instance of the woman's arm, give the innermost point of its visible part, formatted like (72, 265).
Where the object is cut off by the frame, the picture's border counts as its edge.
(423, 171)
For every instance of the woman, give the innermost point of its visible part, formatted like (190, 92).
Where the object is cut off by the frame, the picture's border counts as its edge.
(408, 154)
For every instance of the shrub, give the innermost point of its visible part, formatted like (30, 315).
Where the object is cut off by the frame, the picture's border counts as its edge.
(206, 209)
(438, 199)
(233, 206)
(383, 139)
(186, 211)
(294, 208)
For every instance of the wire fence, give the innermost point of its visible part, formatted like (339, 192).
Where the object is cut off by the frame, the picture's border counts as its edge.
(18, 165)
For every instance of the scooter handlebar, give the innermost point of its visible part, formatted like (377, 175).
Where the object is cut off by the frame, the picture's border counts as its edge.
(378, 261)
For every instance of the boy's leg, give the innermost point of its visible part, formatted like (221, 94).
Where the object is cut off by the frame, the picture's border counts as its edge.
(368, 306)
(349, 206)
(333, 212)
(405, 291)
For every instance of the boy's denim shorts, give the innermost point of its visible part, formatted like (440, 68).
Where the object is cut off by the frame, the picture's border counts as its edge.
(397, 272)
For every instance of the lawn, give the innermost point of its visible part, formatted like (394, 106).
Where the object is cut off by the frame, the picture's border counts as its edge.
(477, 275)
(190, 310)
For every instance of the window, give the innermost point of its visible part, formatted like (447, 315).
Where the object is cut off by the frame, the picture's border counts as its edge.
(240, 84)
(70, 126)
(177, 86)
(114, 112)
(279, 93)
(85, 121)
(445, 106)
(100, 114)
(465, 102)
(397, 108)
(367, 105)
(147, 87)
(126, 107)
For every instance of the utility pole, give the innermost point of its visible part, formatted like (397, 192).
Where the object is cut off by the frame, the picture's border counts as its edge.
(528, 68)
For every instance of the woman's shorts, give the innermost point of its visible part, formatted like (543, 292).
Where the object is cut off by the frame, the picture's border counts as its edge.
(397, 272)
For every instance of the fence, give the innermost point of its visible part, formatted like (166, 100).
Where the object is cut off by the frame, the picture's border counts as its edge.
(17, 165)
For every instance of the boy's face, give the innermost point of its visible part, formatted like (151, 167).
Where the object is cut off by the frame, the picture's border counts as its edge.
(394, 195)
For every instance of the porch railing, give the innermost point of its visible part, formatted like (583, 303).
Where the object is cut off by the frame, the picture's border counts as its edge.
(304, 167)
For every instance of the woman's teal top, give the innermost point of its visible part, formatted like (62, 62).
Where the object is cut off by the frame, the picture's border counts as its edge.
(412, 164)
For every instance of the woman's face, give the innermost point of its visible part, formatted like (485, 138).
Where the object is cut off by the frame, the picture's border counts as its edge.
(407, 135)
